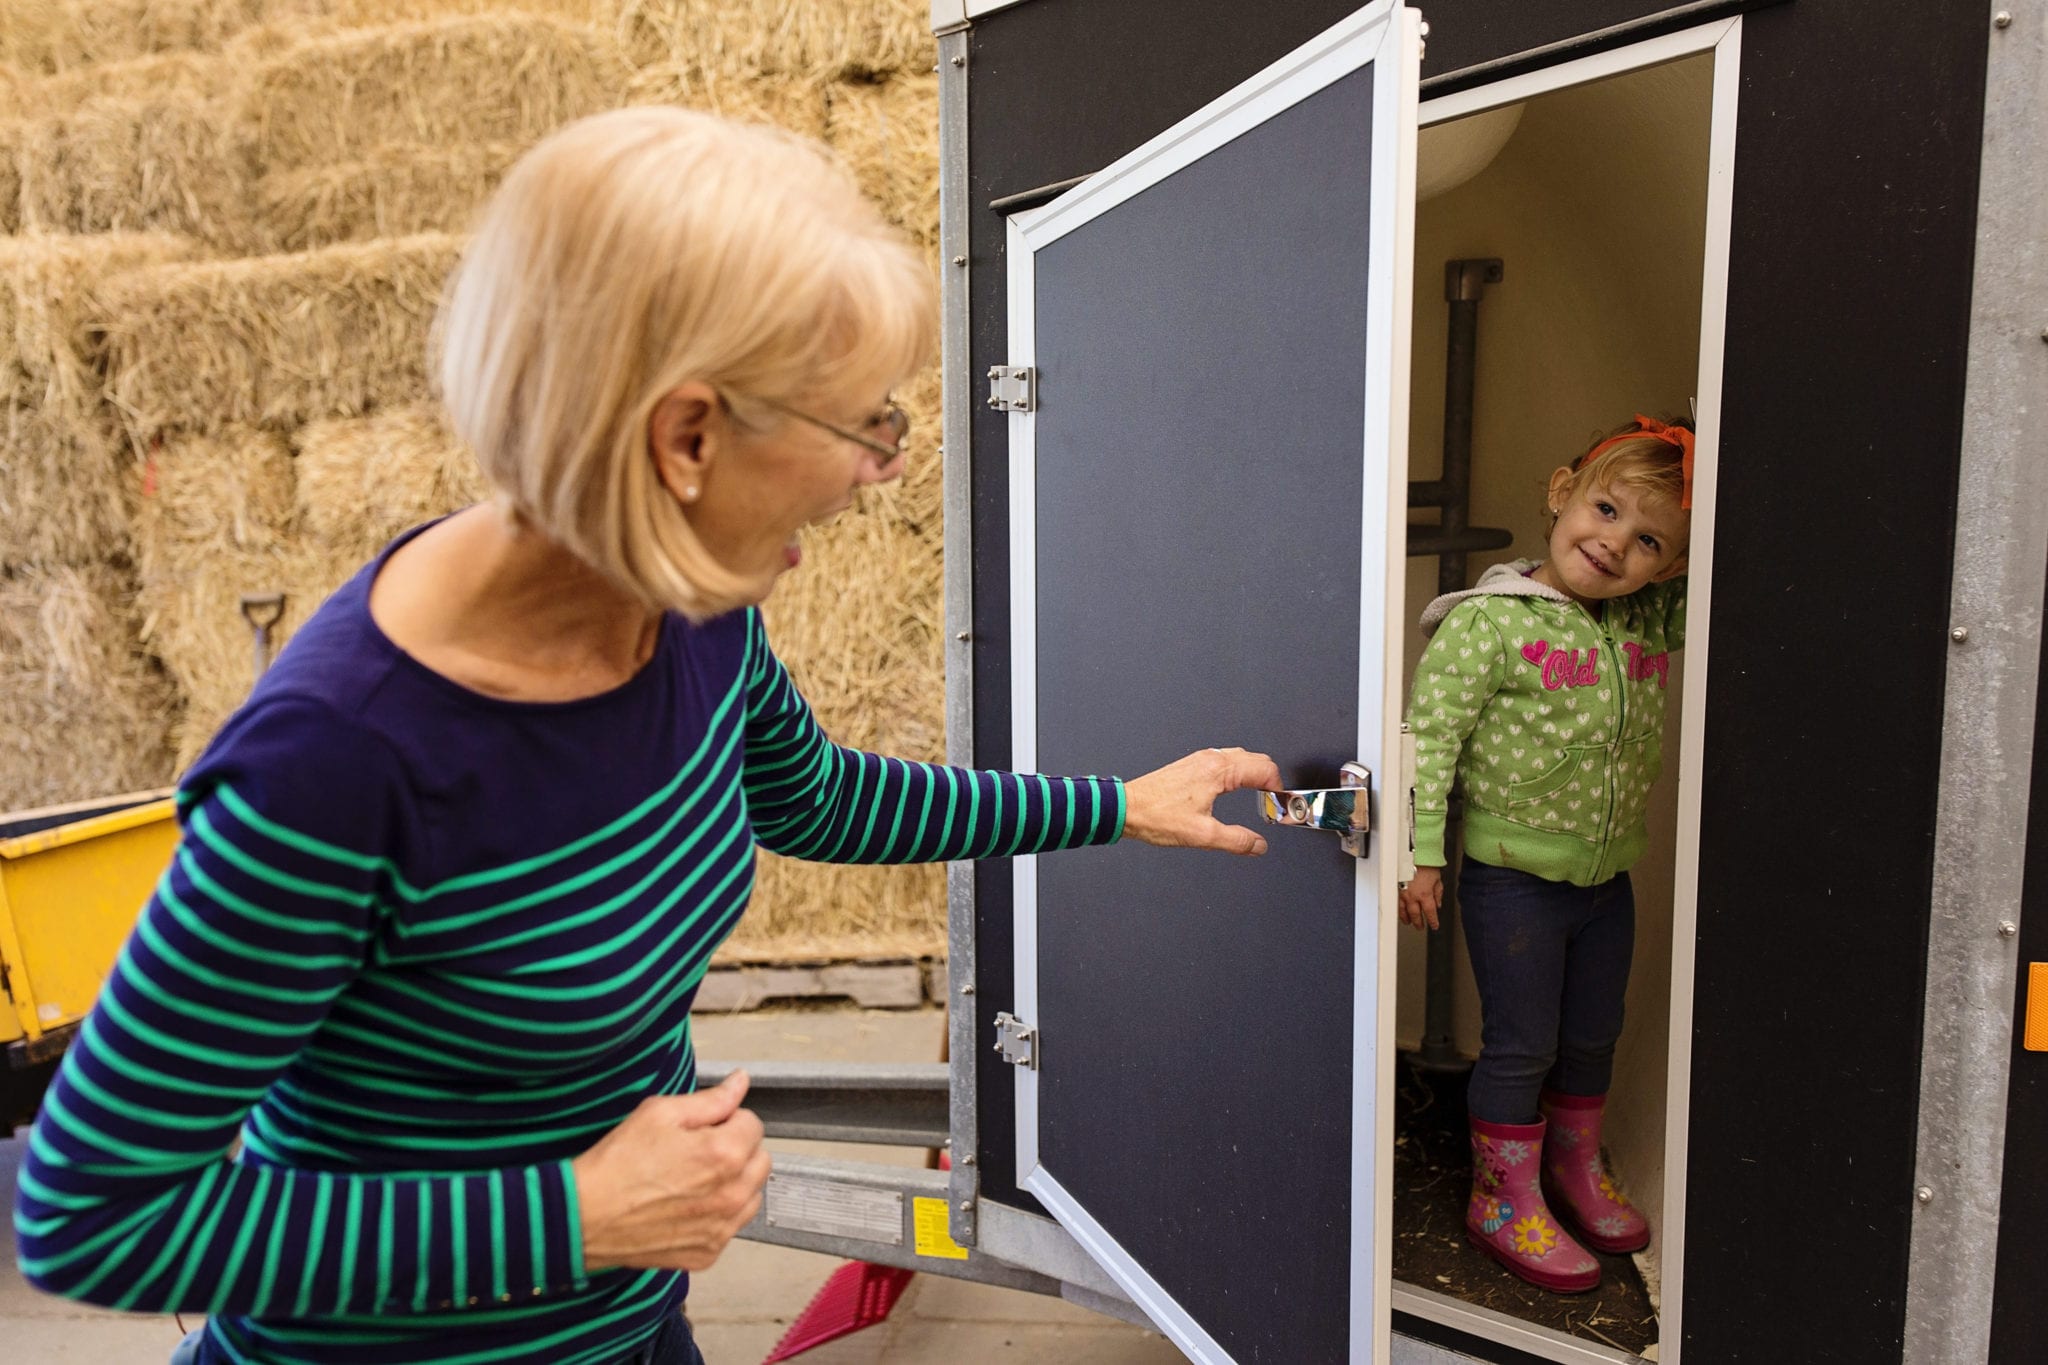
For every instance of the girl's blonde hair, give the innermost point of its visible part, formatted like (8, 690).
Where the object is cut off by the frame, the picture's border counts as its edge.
(631, 252)
(1648, 466)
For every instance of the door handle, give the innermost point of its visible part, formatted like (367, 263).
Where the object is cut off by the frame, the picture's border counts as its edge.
(1345, 810)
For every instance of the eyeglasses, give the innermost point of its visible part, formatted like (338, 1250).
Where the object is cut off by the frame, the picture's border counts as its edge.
(892, 419)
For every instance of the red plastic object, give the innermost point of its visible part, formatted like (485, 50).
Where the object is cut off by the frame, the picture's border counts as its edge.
(858, 1294)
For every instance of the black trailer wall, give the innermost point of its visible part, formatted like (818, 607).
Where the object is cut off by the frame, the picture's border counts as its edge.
(1856, 165)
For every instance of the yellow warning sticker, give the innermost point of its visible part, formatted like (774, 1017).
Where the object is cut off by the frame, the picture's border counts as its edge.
(934, 1233)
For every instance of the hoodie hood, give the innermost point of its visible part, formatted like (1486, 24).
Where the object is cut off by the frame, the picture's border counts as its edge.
(1502, 580)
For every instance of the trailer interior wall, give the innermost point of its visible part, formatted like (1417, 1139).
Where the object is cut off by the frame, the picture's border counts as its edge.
(1597, 207)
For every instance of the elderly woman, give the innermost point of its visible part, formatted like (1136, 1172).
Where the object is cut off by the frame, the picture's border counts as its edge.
(450, 878)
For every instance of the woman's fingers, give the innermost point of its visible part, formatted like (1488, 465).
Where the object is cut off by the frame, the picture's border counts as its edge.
(1174, 806)
(706, 1108)
(1233, 839)
(1246, 769)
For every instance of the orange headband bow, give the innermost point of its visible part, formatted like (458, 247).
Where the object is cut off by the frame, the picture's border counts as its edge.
(1669, 435)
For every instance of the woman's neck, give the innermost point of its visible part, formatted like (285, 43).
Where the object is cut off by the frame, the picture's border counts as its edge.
(506, 611)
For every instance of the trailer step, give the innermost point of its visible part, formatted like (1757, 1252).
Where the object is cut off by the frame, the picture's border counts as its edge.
(870, 985)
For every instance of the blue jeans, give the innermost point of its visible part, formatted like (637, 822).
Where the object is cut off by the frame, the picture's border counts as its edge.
(672, 1345)
(1552, 963)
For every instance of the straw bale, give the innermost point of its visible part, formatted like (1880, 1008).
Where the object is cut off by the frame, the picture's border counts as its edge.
(860, 627)
(126, 164)
(218, 519)
(191, 74)
(888, 134)
(56, 35)
(274, 340)
(12, 133)
(86, 710)
(507, 78)
(363, 480)
(396, 190)
(204, 642)
(63, 499)
(382, 13)
(791, 102)
(230, 489)
(830, 39)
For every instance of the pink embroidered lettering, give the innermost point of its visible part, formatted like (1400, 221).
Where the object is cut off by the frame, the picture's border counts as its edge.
(1643, 666)
(1557, 669)
(1563, 667)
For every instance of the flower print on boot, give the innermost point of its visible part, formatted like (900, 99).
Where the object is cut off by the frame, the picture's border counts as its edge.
(1507, 1218)
(1576, 1179)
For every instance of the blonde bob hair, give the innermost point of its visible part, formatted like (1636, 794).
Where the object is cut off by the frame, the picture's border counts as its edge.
(637, 250)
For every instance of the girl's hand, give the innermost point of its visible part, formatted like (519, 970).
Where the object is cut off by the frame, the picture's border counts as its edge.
(1422, 898)
(672, 1185)
(1173, 806)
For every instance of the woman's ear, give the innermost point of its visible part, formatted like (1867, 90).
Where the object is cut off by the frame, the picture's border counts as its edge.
(684, 438)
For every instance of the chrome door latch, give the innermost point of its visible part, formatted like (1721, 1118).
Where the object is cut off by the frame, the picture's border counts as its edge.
(1346, 810)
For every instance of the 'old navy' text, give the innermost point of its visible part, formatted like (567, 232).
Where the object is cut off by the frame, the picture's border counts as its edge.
(1575, 668)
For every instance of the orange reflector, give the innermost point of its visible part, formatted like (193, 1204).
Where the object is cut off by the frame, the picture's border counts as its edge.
(2037, 1007)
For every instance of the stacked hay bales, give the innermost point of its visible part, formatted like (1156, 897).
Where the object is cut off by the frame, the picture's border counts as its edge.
(85, 707)
(229, 223)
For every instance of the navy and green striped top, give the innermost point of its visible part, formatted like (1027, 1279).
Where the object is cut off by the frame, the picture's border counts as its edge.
(418, 949)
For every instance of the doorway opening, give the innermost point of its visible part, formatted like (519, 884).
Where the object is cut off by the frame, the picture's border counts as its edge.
(1600, 189)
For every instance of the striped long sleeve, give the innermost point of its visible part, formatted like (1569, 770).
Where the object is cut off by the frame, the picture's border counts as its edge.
(274, 903)
(810, 798)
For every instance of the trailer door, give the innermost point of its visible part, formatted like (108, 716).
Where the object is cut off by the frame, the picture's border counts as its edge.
(1208, 381)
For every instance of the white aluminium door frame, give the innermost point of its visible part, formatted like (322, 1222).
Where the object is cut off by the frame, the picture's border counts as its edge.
(1387, 34)
(1723, 39)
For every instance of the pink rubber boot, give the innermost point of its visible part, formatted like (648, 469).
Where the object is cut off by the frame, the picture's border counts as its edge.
(1507, 1218)
(1576, 1178)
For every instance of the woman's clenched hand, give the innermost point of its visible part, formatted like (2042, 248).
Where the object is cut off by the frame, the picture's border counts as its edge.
(672, 1185)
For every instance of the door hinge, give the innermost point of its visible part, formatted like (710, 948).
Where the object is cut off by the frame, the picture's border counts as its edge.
(1017, 1041)
(1012, 388)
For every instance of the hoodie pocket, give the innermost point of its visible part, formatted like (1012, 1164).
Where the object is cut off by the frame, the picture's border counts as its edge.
(1548, 783)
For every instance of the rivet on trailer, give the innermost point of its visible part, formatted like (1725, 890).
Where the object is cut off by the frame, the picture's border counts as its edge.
(1193, 232)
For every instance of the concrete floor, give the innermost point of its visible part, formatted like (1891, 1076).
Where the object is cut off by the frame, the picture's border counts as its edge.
(742, 1306)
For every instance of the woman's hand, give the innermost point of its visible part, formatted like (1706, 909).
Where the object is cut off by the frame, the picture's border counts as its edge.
(671, 1186)
(1422, 898)
(1172, 806)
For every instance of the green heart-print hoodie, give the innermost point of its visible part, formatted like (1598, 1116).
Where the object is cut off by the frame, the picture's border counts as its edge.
(1550, 719)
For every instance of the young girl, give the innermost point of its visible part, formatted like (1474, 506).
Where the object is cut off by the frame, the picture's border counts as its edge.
(1543, 695)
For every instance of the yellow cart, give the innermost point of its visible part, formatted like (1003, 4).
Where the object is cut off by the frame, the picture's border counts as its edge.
(72, 880)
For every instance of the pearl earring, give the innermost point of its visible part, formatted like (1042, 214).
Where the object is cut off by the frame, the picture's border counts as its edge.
(690, 493)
